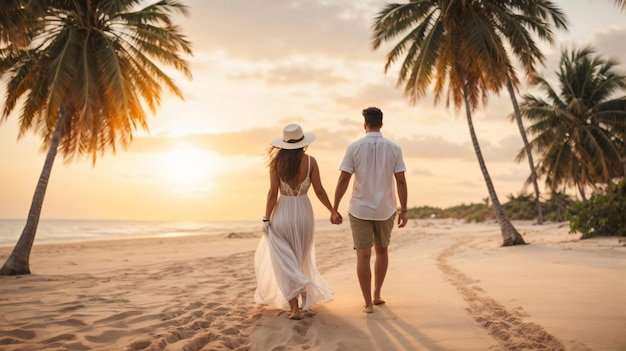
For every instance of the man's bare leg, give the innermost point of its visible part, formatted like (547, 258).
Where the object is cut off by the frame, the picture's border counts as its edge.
(380, 271)
(364, 273)
(295, 310)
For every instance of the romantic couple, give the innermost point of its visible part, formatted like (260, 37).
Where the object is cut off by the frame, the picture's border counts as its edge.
(287, 277)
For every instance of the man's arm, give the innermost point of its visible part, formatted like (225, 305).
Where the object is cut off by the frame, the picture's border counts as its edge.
(402, 196)
(342, 186)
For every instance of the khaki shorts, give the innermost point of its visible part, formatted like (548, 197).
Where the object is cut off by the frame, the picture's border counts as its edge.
(367, 232)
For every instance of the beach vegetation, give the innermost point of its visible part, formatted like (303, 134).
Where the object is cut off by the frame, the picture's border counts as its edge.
(84, 73)
(469, 212)
(557, 206)
(522, 206)
(579, 126)
(604, 214)
(518, 207)
(461, 49)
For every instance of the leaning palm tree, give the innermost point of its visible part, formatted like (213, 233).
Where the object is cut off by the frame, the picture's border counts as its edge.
(515, 23)
(450, 45)
(85, 81)
(579, 127)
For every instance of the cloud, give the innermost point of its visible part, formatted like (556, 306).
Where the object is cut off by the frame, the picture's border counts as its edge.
(292, 74)
(251, 142)
(610, 44)
(271, 29)
(434, 147)
(377, 94)
(504, 150)
(437, 148)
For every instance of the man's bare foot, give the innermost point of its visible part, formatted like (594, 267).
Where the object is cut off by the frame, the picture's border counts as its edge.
(378, 301)
(368, 309)
(295, 316)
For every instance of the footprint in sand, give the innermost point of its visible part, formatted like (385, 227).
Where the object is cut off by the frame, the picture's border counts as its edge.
(507, 327)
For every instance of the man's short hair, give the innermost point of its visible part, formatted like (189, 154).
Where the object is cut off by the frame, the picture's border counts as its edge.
(373, 117)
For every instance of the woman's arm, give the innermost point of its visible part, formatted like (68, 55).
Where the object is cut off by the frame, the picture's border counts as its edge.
(316, 181)
(272, 194)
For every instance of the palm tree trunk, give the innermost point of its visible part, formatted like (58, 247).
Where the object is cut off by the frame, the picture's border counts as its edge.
(624, 151)
(18, 261)
(581, 191)
(529, 154)
(510, 235)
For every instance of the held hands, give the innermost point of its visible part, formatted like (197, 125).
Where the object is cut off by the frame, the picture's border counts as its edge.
(335, 218)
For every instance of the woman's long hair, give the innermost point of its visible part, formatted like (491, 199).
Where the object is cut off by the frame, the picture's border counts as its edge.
(286, 162)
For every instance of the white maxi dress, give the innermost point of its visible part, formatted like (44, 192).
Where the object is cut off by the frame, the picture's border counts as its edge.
(284, 261)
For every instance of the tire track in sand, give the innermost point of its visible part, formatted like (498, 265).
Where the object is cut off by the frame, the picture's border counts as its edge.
(508, 328)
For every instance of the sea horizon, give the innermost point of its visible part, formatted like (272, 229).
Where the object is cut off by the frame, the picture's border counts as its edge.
(53, 231)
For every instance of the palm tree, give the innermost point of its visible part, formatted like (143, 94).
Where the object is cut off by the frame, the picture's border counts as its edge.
(13, 23)
(514, 26)
(85, 81)
(621, 4)
(17, 21)
(579, 128)
(452, 45)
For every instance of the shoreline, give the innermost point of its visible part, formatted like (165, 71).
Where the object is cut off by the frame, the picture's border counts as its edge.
(77, 231)
(450, 286)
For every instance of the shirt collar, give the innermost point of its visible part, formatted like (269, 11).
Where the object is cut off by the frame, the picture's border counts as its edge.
(374, 134)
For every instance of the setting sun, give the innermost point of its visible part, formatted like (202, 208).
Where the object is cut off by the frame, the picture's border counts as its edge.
(188, 169)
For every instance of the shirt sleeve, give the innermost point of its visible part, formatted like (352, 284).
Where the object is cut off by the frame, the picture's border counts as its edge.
(399, 167)
(347, 165)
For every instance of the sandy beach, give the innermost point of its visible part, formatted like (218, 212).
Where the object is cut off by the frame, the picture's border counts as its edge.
(450, 286)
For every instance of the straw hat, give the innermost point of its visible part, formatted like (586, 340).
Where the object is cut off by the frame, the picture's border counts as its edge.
(293, 138)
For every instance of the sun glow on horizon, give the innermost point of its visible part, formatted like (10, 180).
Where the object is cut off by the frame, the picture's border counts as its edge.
(189, 170)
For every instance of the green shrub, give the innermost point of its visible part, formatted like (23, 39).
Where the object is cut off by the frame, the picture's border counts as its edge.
(471, 212)
(521, 207)
(556, 207)
(602, 215)
(424, 212)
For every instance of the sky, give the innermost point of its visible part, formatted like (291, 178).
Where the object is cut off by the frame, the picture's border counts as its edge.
(259, 65)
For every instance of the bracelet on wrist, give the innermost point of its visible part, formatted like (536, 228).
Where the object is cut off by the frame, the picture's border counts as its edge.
(265, 219)
(403, 211)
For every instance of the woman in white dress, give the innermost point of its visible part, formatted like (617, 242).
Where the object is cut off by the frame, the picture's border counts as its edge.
(284, 262)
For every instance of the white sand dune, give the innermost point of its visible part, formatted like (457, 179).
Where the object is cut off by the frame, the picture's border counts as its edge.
(450, 286)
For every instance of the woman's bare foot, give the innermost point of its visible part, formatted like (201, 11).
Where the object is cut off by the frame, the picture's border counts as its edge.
(295, 309)
(379, 301)
(295, 316)
(368, 309)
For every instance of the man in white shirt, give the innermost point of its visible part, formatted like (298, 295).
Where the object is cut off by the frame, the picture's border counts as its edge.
(375, 162)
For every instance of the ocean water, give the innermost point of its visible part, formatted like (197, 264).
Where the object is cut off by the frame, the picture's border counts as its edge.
(59, 231)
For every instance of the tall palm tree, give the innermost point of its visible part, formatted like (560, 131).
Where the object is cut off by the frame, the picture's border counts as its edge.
(452, 45)
(514, 26)
(579, 127)
(85, 81)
